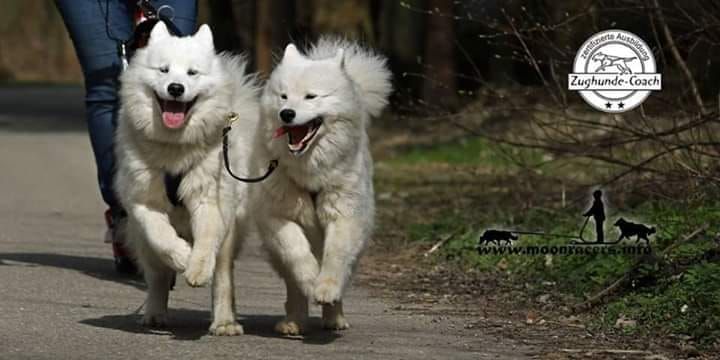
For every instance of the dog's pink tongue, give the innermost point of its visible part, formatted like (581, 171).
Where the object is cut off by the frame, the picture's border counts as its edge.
(173, 114)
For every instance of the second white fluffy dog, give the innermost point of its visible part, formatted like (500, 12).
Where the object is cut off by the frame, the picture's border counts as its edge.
(315, 213)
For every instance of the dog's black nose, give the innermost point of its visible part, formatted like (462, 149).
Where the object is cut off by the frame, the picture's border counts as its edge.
(176, 89)
(287, 115)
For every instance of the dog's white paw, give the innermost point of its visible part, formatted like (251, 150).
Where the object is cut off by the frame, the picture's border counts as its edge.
(154, 320)
(337, 322)
(179, 257)
(226, 328)
(289, 327)
(327, 290)
(306, 274)
(200, 269)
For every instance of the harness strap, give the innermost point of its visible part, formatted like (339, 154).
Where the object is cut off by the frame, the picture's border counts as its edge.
(313, 197)
(172, 183)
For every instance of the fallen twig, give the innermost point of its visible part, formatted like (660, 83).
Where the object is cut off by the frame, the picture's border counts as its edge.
(598, 298)
(440, 243)
(686, 238)
(607, 351)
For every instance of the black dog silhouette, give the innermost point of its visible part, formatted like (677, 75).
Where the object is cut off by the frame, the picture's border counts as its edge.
(497, 237)
(629, 229)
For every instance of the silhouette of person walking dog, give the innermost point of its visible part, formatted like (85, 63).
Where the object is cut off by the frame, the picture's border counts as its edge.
(597, 212)
(627, 228)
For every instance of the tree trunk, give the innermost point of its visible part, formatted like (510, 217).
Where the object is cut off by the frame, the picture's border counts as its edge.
(275, 26)
(351, 18)
(440, 84)
(223, 24)
(400, 36)
(243, 14)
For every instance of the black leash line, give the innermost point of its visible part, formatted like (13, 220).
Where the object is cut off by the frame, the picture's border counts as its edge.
(542, 234)
(271, 167)
(587, 218)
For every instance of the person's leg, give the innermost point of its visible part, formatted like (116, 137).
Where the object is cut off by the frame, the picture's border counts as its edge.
(95, 27)
(184, 11)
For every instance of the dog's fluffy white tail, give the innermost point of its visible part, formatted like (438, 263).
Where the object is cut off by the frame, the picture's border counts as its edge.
(366, 68)
(236, 65)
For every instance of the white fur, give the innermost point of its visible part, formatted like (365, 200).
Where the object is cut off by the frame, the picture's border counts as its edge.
(315, 213)
(147, 150)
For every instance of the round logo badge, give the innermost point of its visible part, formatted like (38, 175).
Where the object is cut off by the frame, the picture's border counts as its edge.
(614, 71)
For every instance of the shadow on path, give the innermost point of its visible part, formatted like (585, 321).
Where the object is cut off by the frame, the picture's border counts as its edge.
(188, 324)
(99, 268)
(184, 324)
(42, 108)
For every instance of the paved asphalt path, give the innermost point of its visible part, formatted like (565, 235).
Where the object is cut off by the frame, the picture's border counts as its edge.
(60, 297)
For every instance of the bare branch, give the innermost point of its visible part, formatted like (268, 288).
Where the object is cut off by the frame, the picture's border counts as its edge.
(678, 58)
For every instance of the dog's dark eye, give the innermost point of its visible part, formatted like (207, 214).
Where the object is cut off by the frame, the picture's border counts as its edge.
(283, 96)
(310, 96)
(164, 69)
(192, 72)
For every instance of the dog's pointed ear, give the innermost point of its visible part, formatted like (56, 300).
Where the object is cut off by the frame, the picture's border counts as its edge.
(340, 58)
(292, 54)
(205, 36)
(159, 32)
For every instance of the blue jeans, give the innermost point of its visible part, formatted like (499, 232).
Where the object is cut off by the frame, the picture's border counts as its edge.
(95, 27)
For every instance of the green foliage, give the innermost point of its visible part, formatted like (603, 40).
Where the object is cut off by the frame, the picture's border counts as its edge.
(687, 304)
(678, 292)
(468, 151)
(434, 230)
(658, 295)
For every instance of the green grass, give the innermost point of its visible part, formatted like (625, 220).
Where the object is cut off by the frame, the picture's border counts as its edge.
(468, 151)
(678, 293)
(688, 303)
(661, 285)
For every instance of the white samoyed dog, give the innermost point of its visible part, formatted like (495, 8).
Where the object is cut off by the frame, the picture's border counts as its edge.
(175, 99)
(316, 212)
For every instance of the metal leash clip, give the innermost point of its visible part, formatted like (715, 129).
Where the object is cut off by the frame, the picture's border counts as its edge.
(122, 53)
(232, 117)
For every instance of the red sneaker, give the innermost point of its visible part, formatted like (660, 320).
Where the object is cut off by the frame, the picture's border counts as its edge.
(115, 235)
